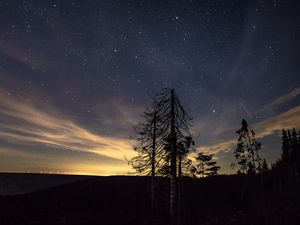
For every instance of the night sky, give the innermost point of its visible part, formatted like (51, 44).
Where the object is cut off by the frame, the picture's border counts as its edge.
(75, 77)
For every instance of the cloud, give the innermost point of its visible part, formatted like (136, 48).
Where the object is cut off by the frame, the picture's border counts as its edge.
(280, 100)
(18, 160)
(17, 50)
(222, 146)
(28, 124)
(24, 123)
(287, 120)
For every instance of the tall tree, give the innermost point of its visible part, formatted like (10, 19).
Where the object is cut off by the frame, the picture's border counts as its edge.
(206, 166)
(175, 121)
(265, 167)
(295, 153)
(160, 151)
(297, 157)
(285, 147)
(146, 146)
(246, 152)
(184, 147)
(290, 156)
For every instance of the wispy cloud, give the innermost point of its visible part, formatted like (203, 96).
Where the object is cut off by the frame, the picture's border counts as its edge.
(280, 100)
(25, 123)
(288, 119)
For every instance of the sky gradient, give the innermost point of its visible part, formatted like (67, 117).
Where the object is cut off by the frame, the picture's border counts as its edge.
(75, 77)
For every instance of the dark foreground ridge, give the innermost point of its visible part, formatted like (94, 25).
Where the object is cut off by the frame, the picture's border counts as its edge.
(122, 200)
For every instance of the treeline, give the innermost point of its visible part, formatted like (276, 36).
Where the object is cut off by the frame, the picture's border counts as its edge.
(287, 168)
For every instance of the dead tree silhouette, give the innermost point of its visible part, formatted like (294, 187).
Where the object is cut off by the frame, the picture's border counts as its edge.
(163, 142)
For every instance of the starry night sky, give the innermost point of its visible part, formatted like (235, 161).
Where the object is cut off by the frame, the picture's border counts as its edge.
(75, 77)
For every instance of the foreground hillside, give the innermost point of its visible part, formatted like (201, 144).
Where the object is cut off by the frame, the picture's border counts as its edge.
(126, 200)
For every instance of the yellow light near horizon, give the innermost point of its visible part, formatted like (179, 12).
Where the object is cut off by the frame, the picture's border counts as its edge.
(41, 125)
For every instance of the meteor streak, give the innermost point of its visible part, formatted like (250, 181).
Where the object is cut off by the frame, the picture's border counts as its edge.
(246, 110)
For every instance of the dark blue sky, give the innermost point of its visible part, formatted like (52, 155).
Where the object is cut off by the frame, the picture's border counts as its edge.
(75, 77)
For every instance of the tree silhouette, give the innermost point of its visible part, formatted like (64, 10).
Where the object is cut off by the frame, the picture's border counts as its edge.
(285, 147)
(290, 159)
(205, 165)
(296, 155)
(163, 141)
(147, 145)
(246, 152)
(176, 133)
(265, 167)
(151, 158)
(295, 151)
(184, 165)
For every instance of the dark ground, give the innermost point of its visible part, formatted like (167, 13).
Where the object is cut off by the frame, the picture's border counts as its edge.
(121, 200)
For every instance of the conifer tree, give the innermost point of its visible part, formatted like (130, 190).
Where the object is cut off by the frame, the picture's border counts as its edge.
(290, 157)
(295, 153)
(246, 152)
(147, 146)
(297, 156)
(205, 165)
(285, 147)
(175, 124)
(265, 167)
(184, 148)
(170, 139)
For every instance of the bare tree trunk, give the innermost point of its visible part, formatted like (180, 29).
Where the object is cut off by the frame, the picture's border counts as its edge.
(179, 166)
(179, 191)
(153, 144)
(153, 167)
(173, 195)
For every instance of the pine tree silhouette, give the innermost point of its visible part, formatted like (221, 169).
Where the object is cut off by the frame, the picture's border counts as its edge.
(165, 132)
(205, 165)
(246, 152)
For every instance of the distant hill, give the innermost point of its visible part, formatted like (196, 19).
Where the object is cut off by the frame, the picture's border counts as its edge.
(21, 183)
